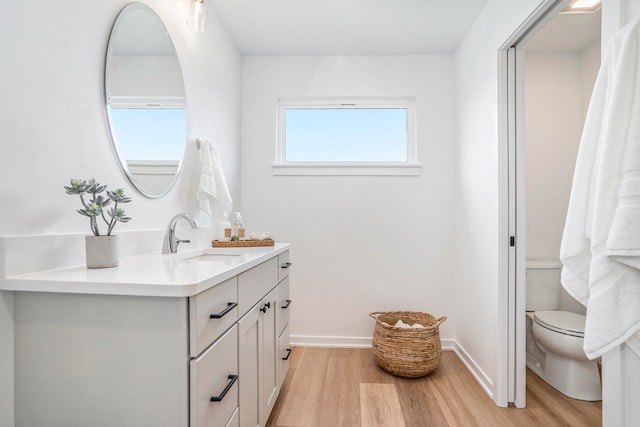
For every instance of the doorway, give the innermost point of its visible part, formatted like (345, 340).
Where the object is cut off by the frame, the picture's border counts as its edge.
(540, 154)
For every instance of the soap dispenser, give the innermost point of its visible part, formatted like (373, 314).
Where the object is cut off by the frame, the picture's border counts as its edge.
(226, 227)
(239, 226)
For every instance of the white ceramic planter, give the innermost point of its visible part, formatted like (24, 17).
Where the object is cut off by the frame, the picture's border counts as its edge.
(101, 251)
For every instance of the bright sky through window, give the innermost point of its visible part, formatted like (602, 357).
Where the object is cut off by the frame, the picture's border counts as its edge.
(346, 135)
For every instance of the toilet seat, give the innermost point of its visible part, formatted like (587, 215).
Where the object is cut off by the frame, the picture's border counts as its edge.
(563, 322)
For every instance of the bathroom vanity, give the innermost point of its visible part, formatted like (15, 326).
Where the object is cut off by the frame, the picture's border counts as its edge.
(190, 339)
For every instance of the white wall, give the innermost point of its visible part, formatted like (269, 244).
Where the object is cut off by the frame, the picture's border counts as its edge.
(553, 125)
(477, 205)
(360, 244)
(54, 124)
(557, 90)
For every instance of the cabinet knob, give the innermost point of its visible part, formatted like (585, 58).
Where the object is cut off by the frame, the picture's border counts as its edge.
(232, 380)
(288, 303)
(265, 307)
(286, 265)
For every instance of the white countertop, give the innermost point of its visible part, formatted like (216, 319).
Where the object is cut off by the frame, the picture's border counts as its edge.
(182, 274)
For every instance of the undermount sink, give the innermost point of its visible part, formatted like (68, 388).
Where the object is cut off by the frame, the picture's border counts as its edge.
(211, 257)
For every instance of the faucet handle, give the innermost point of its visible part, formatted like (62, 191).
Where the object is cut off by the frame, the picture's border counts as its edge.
(178, 241)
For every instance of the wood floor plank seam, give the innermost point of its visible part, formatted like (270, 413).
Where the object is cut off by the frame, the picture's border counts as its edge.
(380, 406)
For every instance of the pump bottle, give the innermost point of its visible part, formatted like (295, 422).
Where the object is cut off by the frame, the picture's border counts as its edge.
(239, 226)
(226, 227)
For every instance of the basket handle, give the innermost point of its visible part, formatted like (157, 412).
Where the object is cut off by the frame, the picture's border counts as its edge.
(440, 321)
(375, 316)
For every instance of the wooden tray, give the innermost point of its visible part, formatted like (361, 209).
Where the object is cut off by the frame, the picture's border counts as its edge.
(241, 243)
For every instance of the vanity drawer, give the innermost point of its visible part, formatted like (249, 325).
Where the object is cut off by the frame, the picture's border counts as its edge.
(211, 313)
(213, 375)
(284, 305)
(255, 283)
(283, 265)
(284, 354)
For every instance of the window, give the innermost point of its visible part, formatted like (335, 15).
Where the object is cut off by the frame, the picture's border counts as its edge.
(346, 137)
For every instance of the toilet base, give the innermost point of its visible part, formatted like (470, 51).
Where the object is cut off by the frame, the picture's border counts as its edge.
(573, 378)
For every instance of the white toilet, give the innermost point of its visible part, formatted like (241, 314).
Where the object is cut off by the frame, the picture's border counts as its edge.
(555, 335)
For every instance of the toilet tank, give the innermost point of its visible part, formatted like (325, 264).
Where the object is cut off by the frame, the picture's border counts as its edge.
(543, 285)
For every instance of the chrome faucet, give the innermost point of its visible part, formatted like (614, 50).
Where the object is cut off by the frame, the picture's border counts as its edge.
(171, 242)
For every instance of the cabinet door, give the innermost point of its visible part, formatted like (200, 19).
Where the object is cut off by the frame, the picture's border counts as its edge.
(258, 362)
(249, 343)
(269, 386)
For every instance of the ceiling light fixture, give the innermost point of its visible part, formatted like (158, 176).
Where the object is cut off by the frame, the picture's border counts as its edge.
(197, 15)
(581, 6)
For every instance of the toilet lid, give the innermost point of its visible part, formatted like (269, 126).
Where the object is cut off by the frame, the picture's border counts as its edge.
(561, 321)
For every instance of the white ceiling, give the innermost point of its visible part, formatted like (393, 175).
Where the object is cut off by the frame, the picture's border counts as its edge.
(346, 27)
(567, 32)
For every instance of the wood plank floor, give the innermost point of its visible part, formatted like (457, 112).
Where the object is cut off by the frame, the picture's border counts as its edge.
(344, 387)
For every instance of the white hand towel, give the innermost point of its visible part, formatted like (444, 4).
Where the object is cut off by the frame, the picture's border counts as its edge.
(212, 186)
(600, 247)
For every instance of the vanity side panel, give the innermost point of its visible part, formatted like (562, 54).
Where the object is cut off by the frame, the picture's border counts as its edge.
(96, 360)
(6, 359)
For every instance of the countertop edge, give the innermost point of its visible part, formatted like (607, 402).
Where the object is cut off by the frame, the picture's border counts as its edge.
(31, 282)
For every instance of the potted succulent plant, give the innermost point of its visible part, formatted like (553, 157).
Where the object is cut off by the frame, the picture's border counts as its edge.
(101, 249)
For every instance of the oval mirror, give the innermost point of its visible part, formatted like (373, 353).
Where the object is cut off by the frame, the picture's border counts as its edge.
(145, 100)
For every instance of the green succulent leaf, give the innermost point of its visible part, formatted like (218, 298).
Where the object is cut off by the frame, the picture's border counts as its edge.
(102, 201)
(118, 196)
(95, 203)
(78, 186)
(119, 215)
(86, 212)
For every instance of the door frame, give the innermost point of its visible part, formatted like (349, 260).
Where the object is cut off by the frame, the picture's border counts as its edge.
(511, 358)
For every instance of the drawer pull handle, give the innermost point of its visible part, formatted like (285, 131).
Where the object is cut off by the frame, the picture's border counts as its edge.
(233, 379)
(230, 306)
(265, 307)
(286, 265)
(288, 354)
(288, 303)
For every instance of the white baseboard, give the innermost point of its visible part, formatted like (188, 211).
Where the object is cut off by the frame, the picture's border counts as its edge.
(365, 342)
(471, 365)
(330, 342)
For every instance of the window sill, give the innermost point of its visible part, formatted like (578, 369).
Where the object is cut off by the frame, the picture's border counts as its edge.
(347, 169)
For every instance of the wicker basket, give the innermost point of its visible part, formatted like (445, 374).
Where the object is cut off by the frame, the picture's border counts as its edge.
(405, 352)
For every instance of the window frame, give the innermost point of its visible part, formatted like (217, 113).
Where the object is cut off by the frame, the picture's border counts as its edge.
(403, 168)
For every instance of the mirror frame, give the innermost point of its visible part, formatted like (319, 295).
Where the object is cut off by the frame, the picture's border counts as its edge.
(107, 102)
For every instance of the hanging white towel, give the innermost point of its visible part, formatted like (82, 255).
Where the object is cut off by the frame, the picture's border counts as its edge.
(212, 186)
(600, 247)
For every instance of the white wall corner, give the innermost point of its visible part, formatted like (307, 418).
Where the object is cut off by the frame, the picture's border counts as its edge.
(482, 378)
